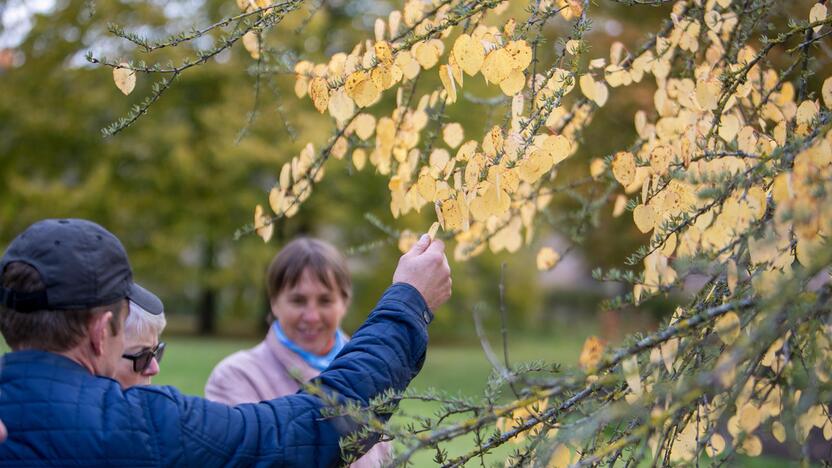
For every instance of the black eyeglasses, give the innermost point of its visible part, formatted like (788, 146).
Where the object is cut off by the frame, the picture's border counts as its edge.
(142, 359)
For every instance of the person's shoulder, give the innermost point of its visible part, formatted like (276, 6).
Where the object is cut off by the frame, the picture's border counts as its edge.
(240, 362)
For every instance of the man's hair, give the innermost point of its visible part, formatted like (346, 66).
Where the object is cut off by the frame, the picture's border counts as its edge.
(321, 258)
(47, 330)
(139, 322)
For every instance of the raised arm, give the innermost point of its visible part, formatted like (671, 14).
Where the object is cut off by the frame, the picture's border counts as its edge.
(386, 352)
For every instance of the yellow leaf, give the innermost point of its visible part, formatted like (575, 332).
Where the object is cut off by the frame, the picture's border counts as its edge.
(729, 126)
(732, 275)
(426, 54)
(124, 78)
(276, 200)
(624, 167)
(340, 106)
(591, 352)
(728, 327)
(752, 446)
(451, 214)
(364, 125)
(359, 158)
(251, 41)
(596, 167)
(669, 349)
(406, 240)
(365, 93)
(384, 54)
(629, 367)
(547, 258)
(561, 458)
(426, 186)
(496, 66)
(469, 54)
(262, 224)
(715, 446)
(520, 54)
(513, 83)
(447, 80)
(620, 205)
(644, 217)
(452, 134)
(778, 431)
(433, 229)
(826, 92)
(707, 94)
(817, 13)
(806, 112)
(587, 85)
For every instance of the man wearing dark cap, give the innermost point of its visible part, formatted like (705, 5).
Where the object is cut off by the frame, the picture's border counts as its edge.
(64, 286)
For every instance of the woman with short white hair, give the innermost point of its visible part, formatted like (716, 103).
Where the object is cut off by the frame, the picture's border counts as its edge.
(142, 349)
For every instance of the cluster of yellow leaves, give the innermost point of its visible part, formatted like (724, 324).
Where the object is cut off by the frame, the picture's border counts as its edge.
(294, 186)
(678, 140)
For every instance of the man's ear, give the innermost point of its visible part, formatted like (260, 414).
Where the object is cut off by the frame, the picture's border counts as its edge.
(99, 331)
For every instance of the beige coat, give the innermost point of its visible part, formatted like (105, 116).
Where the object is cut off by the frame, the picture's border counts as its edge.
(265, 372)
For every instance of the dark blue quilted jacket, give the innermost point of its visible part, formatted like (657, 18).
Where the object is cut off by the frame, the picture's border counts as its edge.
(57, 413)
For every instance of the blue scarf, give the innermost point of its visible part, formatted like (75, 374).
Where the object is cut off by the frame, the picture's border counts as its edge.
(315, 361)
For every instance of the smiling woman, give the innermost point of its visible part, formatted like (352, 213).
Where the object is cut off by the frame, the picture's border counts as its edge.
(309, 291)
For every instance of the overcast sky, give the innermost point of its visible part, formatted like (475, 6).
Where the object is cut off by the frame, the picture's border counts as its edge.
(17, 19)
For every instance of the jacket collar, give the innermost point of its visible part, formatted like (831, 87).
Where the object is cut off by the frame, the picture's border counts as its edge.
(37, 362)
(290, 360)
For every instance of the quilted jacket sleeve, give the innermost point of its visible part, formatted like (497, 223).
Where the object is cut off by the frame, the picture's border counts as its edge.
(386, 352)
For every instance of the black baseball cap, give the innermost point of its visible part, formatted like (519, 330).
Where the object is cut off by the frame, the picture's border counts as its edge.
(82, 265)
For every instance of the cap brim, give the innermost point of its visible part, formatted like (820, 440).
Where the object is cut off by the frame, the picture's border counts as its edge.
(145, 299)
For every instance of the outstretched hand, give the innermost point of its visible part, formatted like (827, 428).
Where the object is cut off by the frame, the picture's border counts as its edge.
(425, 267)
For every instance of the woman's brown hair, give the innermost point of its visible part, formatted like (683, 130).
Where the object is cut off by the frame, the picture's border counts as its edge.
(321, 258)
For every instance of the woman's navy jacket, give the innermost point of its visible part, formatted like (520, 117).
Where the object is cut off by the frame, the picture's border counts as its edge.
(57, 413)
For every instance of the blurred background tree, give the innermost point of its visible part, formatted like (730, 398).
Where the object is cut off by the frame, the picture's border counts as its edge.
(176, 188)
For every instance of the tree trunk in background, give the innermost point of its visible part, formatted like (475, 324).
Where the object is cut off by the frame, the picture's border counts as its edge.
(207, 311)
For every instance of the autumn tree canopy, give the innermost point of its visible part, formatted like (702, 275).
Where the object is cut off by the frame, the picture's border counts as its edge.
(729, 176)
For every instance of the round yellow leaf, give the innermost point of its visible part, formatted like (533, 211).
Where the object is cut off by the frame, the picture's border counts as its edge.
(513, 83)
(728, 327)
(496, 66)
(778, 431)
(624, 167)
(469, 54)
(251, 41)
(644, 217)
(715, 445)
(366, 93)
(588, 87)
(520, 54)
(340, 106)
(547, 258)
(364, 125)
(124, 78)
(817, 13)
(596, 167)
(826, 92)
(262, 224)
(434, 228)
(359, 158)
(452, 134)
(426, 54)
